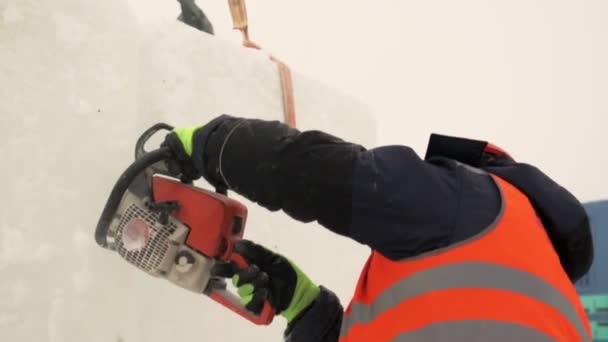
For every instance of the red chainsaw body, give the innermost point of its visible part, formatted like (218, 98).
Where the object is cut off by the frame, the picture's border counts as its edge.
(216, 221)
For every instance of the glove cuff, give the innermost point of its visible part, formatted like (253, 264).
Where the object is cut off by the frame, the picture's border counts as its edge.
(320, 322)
(186, 137)
(305, 293)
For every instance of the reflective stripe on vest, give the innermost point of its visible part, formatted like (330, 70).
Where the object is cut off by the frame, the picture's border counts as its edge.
(504, 284)
(471, 331)
(465, 275)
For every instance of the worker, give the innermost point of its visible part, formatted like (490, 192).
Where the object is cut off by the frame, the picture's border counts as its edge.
(466, 244)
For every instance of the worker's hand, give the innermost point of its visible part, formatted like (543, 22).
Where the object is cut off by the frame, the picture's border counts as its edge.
(271, 277)
(180, 141)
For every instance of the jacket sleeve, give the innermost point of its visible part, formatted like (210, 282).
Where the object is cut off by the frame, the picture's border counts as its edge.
(387, 198)
(308, 175)
(320, 323)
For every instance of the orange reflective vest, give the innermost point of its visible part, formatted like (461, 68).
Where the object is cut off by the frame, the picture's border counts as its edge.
(505, 284)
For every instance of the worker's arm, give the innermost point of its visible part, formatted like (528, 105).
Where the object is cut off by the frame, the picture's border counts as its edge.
(308, 175)
(387, 198)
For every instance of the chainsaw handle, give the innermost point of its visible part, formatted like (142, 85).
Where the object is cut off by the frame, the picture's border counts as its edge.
(140, 151)
(143, 139)
(233, 302)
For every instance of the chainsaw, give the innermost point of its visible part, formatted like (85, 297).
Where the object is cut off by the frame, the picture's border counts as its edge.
(173, 230)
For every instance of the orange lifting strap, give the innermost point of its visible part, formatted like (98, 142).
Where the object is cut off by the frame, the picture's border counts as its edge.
(239, 21)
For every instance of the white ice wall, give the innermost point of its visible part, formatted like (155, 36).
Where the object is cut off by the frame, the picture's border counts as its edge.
(79, 80)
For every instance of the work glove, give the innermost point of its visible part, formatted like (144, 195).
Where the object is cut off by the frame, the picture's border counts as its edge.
(271, 277)
(181, 143)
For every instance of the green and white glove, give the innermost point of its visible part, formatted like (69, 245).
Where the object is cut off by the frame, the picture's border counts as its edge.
(271, 277)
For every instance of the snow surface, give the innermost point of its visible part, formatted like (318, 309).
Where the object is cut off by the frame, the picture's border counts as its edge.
(80, 80)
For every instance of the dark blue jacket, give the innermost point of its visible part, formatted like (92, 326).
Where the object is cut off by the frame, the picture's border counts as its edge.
(387, 198)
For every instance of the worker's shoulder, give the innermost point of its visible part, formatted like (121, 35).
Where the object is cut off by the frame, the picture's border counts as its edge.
(532, 181)
(552, 201)
(562, 214)
(418, 205)
(398, 174)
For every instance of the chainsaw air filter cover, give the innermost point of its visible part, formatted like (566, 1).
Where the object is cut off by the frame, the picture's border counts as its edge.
(182, 246)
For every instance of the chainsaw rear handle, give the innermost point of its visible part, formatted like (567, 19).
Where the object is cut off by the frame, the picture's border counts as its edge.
(232, 301)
